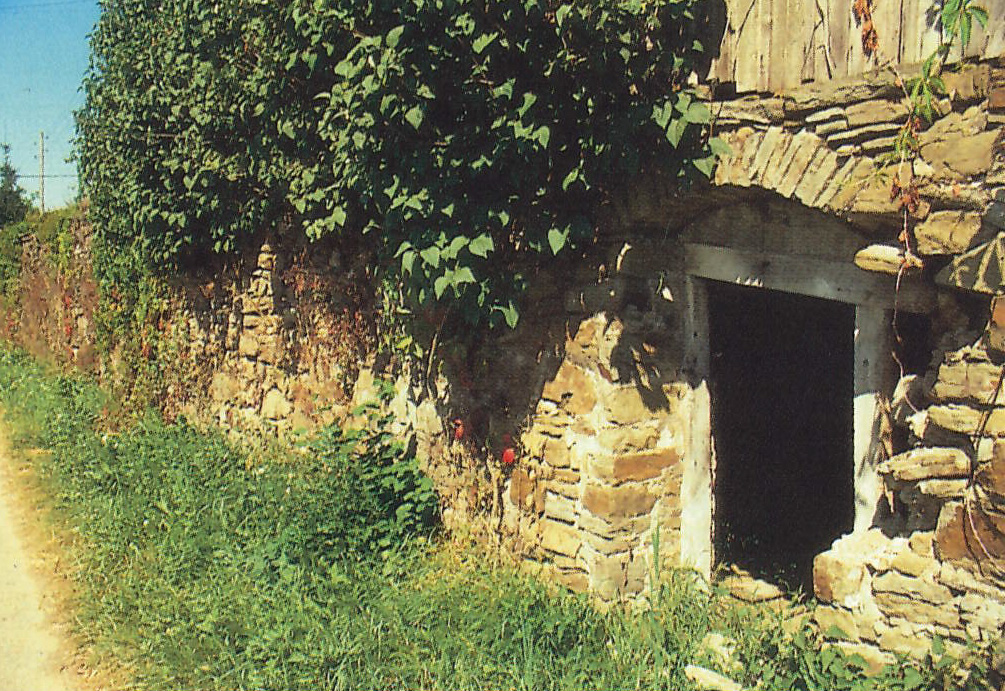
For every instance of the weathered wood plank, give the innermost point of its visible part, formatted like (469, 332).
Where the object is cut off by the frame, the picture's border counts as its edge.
(843, 282)
(774, 45)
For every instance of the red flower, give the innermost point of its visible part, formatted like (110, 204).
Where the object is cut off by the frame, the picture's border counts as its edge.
(509, 456)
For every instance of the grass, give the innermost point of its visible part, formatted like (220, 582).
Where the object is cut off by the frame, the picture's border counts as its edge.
(202, 568)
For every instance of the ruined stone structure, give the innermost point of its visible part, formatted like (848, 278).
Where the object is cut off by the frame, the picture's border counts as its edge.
(754, 370)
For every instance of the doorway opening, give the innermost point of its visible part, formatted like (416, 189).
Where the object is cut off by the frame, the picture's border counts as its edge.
(782, 392)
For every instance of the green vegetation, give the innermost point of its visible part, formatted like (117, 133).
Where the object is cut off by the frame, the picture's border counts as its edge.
(14, 204)
(203, 568)
(465, 142)
(53, 230)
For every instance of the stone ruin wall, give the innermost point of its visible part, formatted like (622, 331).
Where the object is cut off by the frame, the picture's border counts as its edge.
(604, 401)
(933, 563)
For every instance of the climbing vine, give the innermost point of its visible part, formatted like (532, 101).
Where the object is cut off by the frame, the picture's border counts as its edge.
(466, 142)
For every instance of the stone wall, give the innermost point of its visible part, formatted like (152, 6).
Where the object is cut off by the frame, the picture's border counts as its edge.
(596, 391)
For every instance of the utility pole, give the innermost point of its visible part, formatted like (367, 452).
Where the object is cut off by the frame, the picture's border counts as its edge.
(41, 171)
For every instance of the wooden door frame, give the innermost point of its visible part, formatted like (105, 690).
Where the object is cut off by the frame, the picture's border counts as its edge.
(873, 296)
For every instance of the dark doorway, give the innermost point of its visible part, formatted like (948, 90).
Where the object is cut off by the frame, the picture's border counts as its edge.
(782, 369)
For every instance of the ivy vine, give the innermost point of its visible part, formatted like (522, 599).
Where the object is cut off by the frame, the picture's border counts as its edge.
(468, 143)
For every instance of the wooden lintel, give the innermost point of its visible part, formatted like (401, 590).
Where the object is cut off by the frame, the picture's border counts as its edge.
(843, 282)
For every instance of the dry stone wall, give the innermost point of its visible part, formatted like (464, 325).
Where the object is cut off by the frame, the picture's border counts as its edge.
(932, 564)
(596, 393)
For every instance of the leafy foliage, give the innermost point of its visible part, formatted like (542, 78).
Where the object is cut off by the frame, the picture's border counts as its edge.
(467, 142)
(956, 18)
(14, 204)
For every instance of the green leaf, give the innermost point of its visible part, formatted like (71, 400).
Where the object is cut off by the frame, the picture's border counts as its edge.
(431, 256)
(483, 41)
(414, 116)
(719, 147)
(408, 261)
(705, 165)
(529, 100)
(394, 36)
(510, 314)
(505, 89)
(440, 284)
(561, 13)
(543, 135)
(570, 178)
(462, 276)
(481, 245)
(675, 132)
(698, 114)
(338, 215)
(557, 239)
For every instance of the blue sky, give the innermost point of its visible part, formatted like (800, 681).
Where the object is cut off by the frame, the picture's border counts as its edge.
(43, 58)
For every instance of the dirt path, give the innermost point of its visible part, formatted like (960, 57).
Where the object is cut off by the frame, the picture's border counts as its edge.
(34, 654)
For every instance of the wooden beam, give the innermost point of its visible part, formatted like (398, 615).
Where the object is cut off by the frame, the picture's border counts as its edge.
(697, 494)
(830, 280)
(875, 377)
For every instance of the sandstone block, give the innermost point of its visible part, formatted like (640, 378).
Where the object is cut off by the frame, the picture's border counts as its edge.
(607, 576)
(521, 486)
(857, 135)
(905, 639)
(922, 544)
(955, 418)
(839, 579)
(224, 387)
(607, 545)
(560, 508)
(828, 619)
(984, 612)
(996, 325)
(247, 346)
(957, 151)
(275, 406)
(927, 432)
(556, 453)
(912, 564)
(634, 467)
(990, 474)
(571, 388)
(624, 406)
(623, 438)
(819, 172)
(915, 611)
(768, 144)
(917, 589)
(846, 184)
(574, 580)
(618, 502)
(825, 115)
(885, 259)
(996, 99)
(969, 534)
(560, 538)
(874, 658)
(923, 463)
(876, 111)
(947, 232)
(707, 680)
(943, 489)
(804, 148)
(967, 381)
